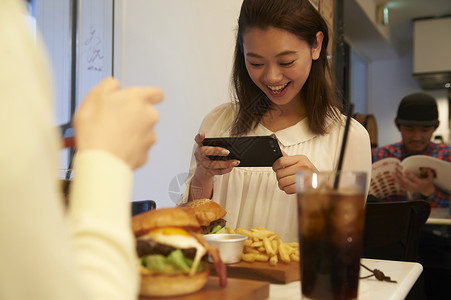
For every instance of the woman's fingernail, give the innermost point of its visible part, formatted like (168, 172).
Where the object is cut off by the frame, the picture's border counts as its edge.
(225, 152)
(236, 163)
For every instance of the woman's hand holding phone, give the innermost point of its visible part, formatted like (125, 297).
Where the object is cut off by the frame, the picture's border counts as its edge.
(207, 168)
(202, 183)
(286, 168)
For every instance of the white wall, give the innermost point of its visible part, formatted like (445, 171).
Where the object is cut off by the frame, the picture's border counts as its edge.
(388, 82)
(436, 58)
(186, 48)
(359, 83)
(53, 25)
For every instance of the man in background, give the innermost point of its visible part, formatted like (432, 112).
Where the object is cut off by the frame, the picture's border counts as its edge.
(416, 120)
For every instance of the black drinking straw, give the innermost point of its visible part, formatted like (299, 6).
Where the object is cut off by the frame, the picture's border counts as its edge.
(68, 174)
(63, 128)
(343, 144)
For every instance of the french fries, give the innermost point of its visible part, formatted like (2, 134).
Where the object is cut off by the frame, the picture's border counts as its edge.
(266, 246)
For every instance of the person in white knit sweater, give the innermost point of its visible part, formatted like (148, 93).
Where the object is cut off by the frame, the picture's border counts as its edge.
(88, 251)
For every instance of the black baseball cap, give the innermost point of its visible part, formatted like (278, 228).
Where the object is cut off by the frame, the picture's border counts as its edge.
(417, 109)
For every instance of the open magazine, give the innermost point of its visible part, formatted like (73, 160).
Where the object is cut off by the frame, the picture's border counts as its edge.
(383, 183)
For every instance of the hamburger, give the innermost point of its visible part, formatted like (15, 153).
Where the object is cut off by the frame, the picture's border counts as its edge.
(173, 253)
(209, 214)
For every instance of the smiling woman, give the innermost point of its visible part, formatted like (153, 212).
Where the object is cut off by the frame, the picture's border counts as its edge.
(282, 87)
(278, 72)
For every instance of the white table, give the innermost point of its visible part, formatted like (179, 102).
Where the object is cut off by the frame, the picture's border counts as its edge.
(405, 273)
(439, 216)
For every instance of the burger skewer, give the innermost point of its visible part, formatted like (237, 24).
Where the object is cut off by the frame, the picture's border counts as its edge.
(219, 265)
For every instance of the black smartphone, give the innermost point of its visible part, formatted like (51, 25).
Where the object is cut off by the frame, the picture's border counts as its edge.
(251, 151)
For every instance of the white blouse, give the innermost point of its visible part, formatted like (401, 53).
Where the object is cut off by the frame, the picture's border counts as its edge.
(251, 195)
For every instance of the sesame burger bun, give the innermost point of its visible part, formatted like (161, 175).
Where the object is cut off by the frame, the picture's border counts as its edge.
(172, 285)
(163, 217)
(205, 210)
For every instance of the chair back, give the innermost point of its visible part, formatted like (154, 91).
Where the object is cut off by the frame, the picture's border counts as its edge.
(369, 122)
(392, 229)
(142, 206)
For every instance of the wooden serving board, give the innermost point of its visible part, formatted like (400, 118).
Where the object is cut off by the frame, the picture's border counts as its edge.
(280, 273)
(235, 289)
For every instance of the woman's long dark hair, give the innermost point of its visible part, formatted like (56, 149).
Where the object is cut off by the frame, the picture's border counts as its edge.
(319, 92)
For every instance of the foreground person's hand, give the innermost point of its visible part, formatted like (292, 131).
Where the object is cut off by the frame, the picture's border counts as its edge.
(120, 121)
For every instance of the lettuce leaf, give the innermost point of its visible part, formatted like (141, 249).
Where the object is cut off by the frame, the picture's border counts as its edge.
(176, 258)
(176, 262)
(155, 262)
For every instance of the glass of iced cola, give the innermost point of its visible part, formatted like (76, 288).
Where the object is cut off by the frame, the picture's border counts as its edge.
(331, 213)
